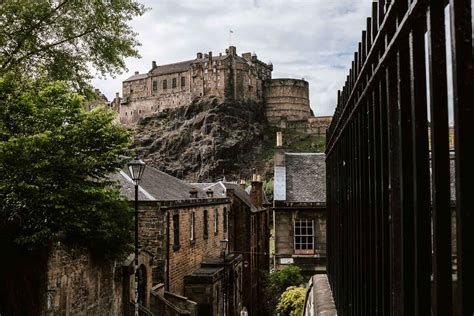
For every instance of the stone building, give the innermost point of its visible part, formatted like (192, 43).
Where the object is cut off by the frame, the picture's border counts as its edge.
(299, 211)
(183, 227)
(224, 76)
(248, 235)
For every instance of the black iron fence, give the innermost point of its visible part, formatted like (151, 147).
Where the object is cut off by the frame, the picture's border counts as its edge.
(389, 206)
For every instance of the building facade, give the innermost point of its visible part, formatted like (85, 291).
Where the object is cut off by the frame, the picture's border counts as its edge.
(224, 76)
(183, 227)
(248, 235)
(299, 211)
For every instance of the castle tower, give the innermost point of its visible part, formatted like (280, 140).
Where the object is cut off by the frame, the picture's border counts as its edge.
(287, 99)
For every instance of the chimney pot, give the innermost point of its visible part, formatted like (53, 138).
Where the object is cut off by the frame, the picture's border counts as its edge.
(199, 55)
(153, 64)
(136, 72)
(117, 95)
(279, 139)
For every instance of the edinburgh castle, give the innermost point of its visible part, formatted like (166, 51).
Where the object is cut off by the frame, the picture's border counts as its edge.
(224, 77)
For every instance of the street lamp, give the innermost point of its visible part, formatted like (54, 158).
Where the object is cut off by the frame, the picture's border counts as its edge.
(224, 243)
(136, 168)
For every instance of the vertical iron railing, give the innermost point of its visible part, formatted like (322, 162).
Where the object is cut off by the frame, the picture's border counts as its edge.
(389, 173)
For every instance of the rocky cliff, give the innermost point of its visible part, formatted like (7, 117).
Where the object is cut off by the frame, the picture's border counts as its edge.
(204, 140)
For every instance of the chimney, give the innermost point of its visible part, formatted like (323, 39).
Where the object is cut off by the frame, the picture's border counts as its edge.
(254, 57)
(279, 182)
(193, 193)
(279, 139)
(242, 183)
(117, 95)
(210, 193)
(210, 55)
(247, 56)
(153, 65)
(256, 192)
(279, 150)
(232, 51)
(136, 73)
(199, 55)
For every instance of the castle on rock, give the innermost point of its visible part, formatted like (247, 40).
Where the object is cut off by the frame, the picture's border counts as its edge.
(225, 77)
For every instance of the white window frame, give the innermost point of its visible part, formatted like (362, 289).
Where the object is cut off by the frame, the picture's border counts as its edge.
(305, 244)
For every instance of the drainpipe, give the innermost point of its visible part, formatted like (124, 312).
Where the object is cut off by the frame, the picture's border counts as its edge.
(167, 251)
(274, 236)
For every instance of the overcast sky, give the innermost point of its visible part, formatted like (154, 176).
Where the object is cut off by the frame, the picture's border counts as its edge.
(310, 39)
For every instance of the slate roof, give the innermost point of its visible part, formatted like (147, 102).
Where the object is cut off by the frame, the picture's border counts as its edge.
(155, 186)
(221, 187)
(136, 77)
(305, 177)
(181, 66)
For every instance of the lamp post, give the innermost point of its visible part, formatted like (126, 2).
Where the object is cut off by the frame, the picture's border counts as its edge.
(224, 243)
(136, 168)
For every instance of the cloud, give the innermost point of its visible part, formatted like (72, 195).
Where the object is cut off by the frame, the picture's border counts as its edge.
(311, 39)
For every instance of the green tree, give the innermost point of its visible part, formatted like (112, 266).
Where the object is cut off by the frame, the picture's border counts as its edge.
(292, 301)
(55, 159)
(275, 283)
(66, 39)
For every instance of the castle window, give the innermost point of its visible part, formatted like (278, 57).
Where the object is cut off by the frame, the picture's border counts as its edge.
(155, 87)
(174, 83)
(205, 71)
(176, 232)
(165, 84)
(183, 81)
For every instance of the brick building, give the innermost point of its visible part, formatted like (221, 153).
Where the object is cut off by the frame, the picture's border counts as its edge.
(182, 228)
(248, 235)
(299, 211)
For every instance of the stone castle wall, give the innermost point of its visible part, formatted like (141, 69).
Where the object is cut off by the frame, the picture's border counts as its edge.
(287, 98)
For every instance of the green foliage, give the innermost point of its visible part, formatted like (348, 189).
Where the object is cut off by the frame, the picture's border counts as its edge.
(292, 301)
(268, 188)
(61, 39)
(277, 282)
(54, 160)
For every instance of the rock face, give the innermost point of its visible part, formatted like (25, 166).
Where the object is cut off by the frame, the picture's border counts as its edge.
(204, 140)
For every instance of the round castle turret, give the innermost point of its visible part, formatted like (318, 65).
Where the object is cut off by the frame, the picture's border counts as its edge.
(287, 99)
